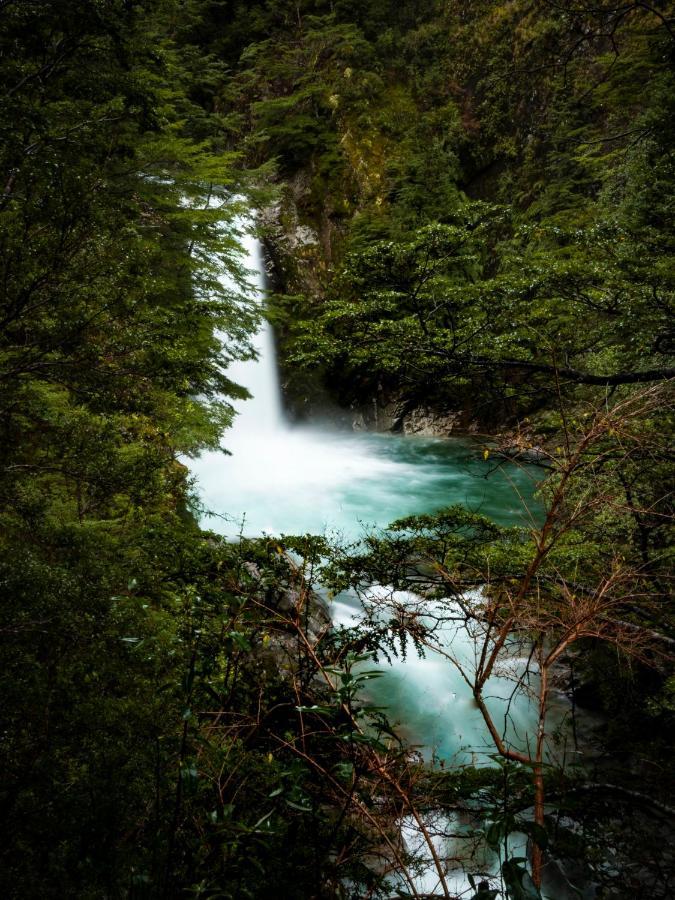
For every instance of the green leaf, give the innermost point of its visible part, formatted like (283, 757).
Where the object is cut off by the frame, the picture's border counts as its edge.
(495, 835)
(297, 806)
(518, 881)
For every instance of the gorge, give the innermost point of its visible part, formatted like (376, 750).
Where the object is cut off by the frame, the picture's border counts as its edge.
(280, 478)
(400, 624)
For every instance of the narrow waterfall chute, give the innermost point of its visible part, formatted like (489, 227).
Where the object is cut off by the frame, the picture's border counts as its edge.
(263, 413)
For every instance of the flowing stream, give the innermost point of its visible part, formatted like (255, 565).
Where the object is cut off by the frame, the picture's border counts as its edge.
(286, 479)
(291, 479)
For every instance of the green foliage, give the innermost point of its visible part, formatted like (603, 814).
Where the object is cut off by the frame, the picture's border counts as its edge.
(569, 135)
(492, 195)
(110, 367)
(429, 313)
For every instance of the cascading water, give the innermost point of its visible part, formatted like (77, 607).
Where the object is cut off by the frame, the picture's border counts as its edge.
(296, 480)
(285, 479)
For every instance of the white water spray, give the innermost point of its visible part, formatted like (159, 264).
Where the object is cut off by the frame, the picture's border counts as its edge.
(296, 480)
(287, 479)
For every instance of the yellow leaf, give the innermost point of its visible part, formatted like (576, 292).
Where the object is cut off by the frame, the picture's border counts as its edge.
(486, 453)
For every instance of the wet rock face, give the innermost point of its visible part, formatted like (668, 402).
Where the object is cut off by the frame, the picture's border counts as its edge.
(402, 418)
(375, 418)
(303, 236)
(310, 608)
(430, 422)
(305, 610)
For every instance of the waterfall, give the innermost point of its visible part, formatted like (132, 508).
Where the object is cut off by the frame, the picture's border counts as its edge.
(282, 478)
(263, 412)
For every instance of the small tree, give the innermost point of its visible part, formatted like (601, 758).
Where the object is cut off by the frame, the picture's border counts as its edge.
(567, 578)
